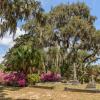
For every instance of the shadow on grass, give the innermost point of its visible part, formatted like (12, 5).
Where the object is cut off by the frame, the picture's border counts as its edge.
(3, 94)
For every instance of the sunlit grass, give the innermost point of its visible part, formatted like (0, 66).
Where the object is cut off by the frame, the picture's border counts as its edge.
(57, 93)
(62, 85)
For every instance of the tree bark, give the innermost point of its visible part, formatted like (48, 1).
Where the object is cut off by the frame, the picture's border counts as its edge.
(75, 74)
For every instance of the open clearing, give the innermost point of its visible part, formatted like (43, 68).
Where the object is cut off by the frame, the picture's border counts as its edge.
(31, 93)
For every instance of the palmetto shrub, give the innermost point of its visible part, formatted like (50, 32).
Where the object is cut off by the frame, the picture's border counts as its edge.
(50, 77)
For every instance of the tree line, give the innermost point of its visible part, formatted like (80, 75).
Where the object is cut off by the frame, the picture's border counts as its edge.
(63, 40)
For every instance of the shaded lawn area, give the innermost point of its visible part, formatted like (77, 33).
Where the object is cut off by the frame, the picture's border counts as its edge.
(31, 93)
(82, 86)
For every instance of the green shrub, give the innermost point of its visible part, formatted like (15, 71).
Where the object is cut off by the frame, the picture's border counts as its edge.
(84, 78)
(97, 79)
(2, 67)
(33, 78)
(53, 69)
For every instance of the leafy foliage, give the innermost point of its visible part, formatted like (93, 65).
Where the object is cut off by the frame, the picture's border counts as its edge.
(63, 37)
(23, 59)
(2, 67)
(33, 78)
(13, 11)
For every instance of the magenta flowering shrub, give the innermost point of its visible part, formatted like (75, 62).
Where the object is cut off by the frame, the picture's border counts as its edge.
(15, 79)
(50, 77)
(21, 82)
(2, 77)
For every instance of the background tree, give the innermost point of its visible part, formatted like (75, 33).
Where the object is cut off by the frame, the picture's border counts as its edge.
(69, 27)
(23, 57)
(12, 11)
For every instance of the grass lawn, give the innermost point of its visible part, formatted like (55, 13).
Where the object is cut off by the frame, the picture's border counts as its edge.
(31, 93)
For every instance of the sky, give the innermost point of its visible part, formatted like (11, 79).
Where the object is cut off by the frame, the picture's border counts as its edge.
(94, 5)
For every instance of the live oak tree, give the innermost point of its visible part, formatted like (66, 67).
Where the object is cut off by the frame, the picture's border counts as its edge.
(66, 30)
(12, 11)
(74, 30)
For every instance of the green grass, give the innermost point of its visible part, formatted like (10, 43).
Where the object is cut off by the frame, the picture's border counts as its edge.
(62, 85)
(57, 93)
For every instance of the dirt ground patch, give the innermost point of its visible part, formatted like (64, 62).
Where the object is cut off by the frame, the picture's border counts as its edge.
(30, 93)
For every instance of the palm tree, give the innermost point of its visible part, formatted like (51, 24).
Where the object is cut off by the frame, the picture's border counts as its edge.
(23, 59)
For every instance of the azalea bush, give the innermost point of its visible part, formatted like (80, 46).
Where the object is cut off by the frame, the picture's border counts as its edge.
(2, 74)
(33, 78)
(15, 79)
(50, 77)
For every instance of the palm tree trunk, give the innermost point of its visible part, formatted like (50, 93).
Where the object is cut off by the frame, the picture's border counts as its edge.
(74, 69)
(44, 69)
(83, 74)
(92, 80)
